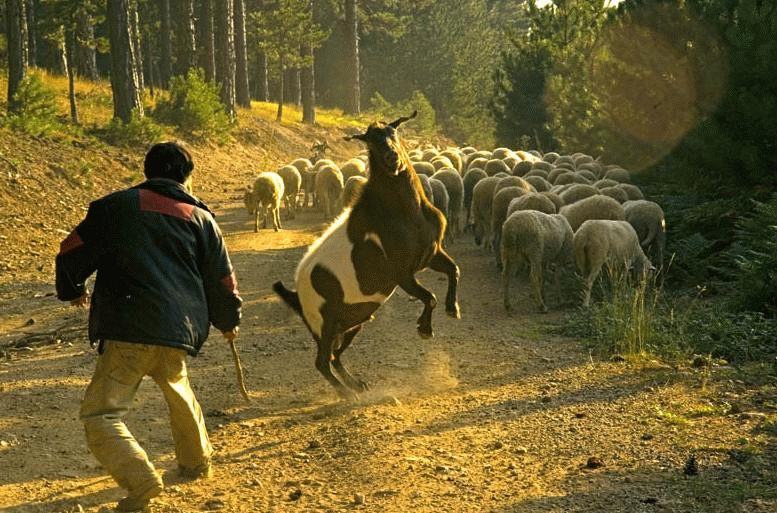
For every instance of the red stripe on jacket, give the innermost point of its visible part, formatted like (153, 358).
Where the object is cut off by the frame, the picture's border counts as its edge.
(71, 242)
(230, 283)
(153, 202)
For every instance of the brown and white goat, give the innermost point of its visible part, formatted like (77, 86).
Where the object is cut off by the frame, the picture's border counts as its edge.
(391, 233)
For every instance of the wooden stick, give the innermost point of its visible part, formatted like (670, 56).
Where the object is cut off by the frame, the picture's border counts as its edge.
(239, 370)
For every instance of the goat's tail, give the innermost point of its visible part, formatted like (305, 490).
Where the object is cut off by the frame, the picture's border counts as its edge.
(289, 297)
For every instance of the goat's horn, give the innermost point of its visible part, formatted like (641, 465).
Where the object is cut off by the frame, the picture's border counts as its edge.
(401, 120)
(355, 136)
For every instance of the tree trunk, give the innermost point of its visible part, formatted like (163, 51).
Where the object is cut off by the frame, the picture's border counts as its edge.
(60, 56)
(32, 29)
(16, 35)
(125, 82)
(263, 82)
(136, 47)
(148, 62)
(241, 72)
(353, 105)
(296, 86)
(225, 45)
(165, 44)
(186, 52)
(279, 116)
(85, 57)
(70, 47)
(208, 55)
(308, 88)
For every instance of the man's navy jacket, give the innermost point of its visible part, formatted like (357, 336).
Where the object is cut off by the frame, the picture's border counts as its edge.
(163, 272)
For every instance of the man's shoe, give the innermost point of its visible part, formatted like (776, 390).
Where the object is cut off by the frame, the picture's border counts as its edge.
(139, 502)
(203, 471)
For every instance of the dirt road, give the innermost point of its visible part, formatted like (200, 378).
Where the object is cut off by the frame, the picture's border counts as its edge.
(493, 414)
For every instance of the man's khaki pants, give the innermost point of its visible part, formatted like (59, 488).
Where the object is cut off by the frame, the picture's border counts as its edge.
(109, 396)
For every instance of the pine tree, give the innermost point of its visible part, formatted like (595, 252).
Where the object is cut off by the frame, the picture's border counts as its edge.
(242, 88)
(353, 105)
(16, 35)
(225, 46)
(125, 81)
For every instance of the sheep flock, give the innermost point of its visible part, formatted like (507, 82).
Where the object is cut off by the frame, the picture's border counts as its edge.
(540, 215)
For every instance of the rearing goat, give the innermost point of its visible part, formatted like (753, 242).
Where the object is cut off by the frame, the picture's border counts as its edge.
(391, 233)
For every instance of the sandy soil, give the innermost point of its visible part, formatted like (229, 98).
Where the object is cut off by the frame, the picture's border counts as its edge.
(493, 414)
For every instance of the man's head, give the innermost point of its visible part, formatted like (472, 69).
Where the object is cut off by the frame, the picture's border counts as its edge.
(168, 160)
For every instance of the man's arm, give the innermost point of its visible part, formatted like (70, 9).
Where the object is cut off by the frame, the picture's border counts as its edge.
(224, 302)
(78, 256)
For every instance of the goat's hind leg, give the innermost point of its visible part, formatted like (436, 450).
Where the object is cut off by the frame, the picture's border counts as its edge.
(415, 289)
(324, 359)
(353, 383)
(443, 263)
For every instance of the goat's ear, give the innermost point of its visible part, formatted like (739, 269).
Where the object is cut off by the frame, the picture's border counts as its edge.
(403, 119)
(360, 137)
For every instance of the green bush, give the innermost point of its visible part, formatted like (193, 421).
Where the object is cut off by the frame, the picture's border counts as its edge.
(426, 122)
(140, 131)
(36, 112)
(632, 319)
(755, 256)
(194, 106)
(642, 319)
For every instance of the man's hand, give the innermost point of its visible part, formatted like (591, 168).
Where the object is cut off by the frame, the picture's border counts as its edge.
(231, 335)
(81, 302)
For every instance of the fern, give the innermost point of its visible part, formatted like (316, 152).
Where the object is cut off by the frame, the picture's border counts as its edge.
(755, 257)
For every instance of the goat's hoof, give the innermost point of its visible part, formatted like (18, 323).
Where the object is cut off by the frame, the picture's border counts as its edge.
(454, 312)
(362, 386)
(425, 333)
(349, 396)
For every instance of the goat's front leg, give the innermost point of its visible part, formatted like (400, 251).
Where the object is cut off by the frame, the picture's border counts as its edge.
(415, 289)
(443, 263)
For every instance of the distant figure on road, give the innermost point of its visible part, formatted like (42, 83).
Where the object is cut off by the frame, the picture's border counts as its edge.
(163, 277)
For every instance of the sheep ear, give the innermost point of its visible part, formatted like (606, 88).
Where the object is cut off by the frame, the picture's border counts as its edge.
(360, 137)
(403, 119)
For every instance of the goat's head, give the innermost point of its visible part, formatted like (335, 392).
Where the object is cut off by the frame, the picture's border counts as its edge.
(387, 155)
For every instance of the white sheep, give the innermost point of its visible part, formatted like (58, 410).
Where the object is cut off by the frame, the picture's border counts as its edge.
(522, 168)
(320, 164)
(495, 166)
(499, 206)
(354, 167)
(424, 168)
(482, 198)
(265, 198)
(352, 190)
(329, 188)
(539, 183)
(440, 162)
(427, 187)
(619, 175)
(455, 187)
(543, 242)
(632, 191)
(578, 192)
(554, 198)
(615, 193)
(471, 178)
(649, 222)
(604, 183)
(454, 156)
(594, 207)
(441, 200)
(532, 201)
(551, 157)
(292, 183)
(599, 242)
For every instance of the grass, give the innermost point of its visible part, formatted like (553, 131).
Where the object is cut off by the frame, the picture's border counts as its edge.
(95, 107)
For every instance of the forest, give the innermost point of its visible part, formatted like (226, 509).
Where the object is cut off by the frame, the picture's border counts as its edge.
(659, 395)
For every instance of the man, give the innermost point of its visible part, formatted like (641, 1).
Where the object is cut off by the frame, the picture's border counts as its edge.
(163, 276)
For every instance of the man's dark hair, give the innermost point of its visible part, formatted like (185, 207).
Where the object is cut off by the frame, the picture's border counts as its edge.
(168, 160)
